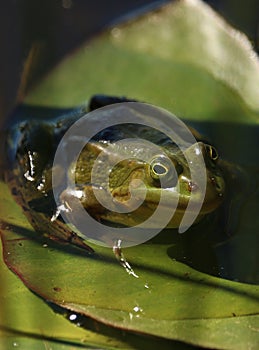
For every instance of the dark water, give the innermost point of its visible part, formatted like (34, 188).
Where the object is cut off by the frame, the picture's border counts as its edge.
(232, 252)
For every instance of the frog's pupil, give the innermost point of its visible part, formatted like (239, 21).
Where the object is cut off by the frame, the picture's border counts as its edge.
(159, 169)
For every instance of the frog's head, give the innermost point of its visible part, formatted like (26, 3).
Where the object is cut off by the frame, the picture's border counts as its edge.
(173, 171)
(141, 179)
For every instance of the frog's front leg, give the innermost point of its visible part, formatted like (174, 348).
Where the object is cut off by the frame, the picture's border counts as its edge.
(71, 203)
(57, 230)
(88, 200)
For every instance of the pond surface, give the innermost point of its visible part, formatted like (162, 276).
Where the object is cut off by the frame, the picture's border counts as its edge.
(238, 145)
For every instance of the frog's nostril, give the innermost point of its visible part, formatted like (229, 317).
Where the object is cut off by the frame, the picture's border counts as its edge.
(216, 183)
(192, 187)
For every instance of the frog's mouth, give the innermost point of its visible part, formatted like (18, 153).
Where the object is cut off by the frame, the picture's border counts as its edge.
(176, 198)
(173, 204)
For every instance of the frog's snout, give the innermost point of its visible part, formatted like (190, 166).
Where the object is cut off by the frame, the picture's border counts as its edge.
(218, 184)
(214, 192)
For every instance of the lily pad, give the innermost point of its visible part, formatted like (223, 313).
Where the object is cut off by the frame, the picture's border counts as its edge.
(181, 58)
(168, 299)
(26, 321)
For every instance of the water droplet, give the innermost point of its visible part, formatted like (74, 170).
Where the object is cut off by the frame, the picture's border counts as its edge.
(138, 310)
(73, 317)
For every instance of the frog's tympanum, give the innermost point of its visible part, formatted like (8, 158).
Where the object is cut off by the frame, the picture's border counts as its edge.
(31, 149)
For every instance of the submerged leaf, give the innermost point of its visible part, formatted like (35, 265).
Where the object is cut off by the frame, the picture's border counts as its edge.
(183, 57)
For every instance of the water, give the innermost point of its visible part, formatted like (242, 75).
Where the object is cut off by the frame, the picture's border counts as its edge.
(236, 241)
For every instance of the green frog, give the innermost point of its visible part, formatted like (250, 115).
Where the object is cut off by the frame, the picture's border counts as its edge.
(31, 150)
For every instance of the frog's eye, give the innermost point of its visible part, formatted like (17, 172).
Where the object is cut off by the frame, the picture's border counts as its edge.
(212, 152)
(159, 167)
(162, 169)
(158, 170)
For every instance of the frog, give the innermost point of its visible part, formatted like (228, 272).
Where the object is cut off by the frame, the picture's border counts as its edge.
(31, 148)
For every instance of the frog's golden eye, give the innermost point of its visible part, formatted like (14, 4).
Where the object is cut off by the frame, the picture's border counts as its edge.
(163, 171)
(212, 152)
(159, 167)
(158, 170)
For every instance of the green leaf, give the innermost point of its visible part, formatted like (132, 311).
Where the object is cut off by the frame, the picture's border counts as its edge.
(28, 323)
(169, 299)
(183, 57)
(25, 320)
